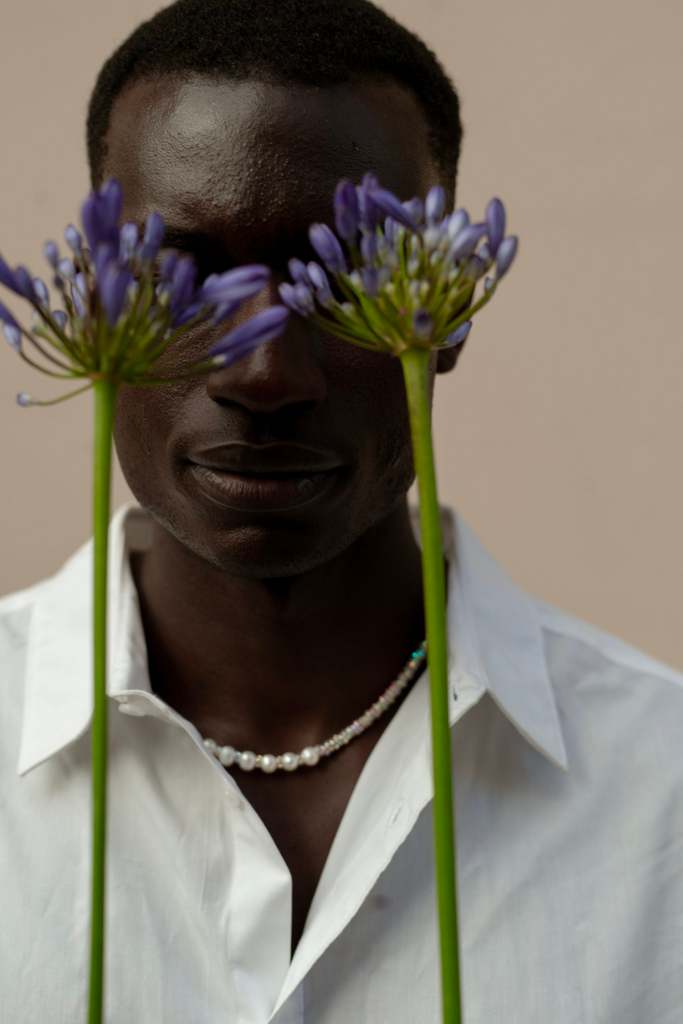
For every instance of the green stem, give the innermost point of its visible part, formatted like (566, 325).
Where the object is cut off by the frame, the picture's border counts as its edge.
(105, 403)
(415, 364)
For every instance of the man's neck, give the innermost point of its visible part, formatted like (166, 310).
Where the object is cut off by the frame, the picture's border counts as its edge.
(282, 663)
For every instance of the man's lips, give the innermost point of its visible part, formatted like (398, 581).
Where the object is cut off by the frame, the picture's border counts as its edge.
(264, 477)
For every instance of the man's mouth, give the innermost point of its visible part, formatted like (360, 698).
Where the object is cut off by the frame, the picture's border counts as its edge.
(264, 477)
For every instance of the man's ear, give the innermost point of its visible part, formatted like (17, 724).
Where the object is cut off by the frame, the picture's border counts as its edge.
(448, 357)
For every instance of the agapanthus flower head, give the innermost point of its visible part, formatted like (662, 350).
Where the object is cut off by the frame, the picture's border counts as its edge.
(123, 319)
(399, 275)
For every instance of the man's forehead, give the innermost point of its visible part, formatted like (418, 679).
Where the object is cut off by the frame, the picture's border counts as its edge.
(201, 149)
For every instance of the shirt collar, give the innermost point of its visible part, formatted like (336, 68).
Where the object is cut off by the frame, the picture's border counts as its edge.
(495, 641)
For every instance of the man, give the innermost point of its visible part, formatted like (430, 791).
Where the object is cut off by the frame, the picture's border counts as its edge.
(268, 590)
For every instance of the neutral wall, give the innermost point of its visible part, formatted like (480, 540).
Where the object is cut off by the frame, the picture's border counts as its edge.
(559, 435)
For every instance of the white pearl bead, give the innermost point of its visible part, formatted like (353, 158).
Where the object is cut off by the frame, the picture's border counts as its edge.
(211, 746)
(247, 760)
(310, 756)
(268, 763)
(226, 756)
(290, 761)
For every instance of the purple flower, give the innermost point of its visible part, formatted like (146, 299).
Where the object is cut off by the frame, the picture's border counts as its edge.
(423, 325)
(112, 287)
(153, 237)
(328, 248)
(51, 253)
(495, 222)
(390, 205)
(13, 334)
(506, 254)
(297, 270)
(346, 211)
(128, 241)
(297, 297)
(60, 318)
(458, 335)
(239, 342)
(234, 285)
(466, 241)
(435, 204)
(73, 239)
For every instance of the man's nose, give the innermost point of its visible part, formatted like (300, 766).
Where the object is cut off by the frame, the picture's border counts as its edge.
(283, 372)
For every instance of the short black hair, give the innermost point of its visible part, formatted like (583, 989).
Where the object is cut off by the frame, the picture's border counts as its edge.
(309, 42)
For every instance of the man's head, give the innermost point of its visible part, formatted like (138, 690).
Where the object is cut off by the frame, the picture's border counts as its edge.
(236, 121)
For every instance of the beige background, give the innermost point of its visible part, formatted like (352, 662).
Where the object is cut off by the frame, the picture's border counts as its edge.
(559, 435)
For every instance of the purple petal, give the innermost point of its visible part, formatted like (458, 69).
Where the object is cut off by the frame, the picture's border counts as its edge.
(112, 288)
(73, 239)
(111, 195)
(23, 284)
(297, 270)
(458, 335)
(77, 300)
(414, 208)
(466, 242)
(94, 216)
(456, 222)
(297, 297)
(244, 339)
(495, 222)
(103, 255)
(391, 205)
(505, 255)
(153, 237)
(435, 204)
(41, 292)
(128, 241)
(7, 316)
(51, 253)
(346, 212)
(13, 335)
(370, 215)
(327, 247)
(183, 281)
(234, 285)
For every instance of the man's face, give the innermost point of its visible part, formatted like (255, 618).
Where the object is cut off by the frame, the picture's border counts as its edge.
(313, 432)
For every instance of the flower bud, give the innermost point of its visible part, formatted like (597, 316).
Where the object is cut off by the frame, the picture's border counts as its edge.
(466, 242)
(51, 253)
(153, 237)
(128, 241)
(346, 212)
(263, 327)
(368, 247)
(456, 222)
(297, 271)
(505, 255)
(60, 318)
(25, 399)
(423, 325)
(297, 297)
(66, 269)
(74, 240)
(41, 292)
(415, 209)
(327, 247)
(13, 335)
(495, 223)
(435, 204)
(459, 335)
(391, 205)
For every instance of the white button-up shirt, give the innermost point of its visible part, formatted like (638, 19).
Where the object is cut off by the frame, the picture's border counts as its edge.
(568, 764)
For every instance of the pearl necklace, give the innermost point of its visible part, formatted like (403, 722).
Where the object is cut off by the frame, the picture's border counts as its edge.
(247, 760)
